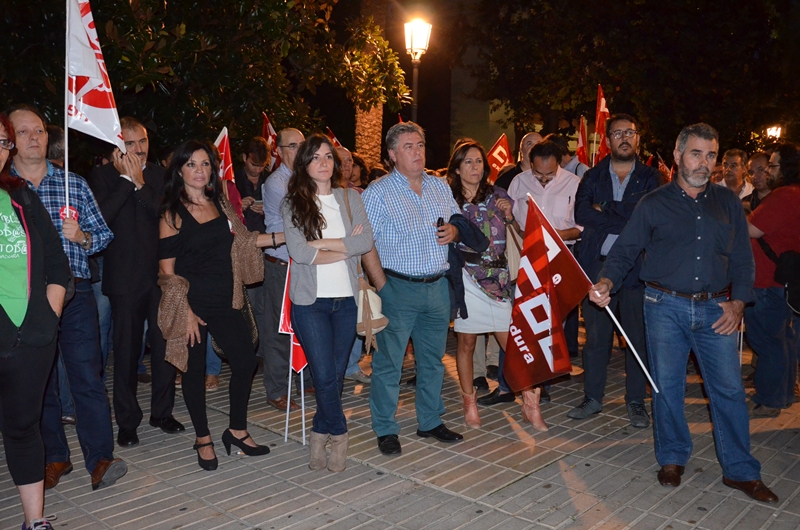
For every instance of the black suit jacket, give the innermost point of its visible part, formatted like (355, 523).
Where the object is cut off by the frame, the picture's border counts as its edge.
(130, 262)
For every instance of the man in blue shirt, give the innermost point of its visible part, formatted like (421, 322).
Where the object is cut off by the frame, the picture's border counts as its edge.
(699, 271)
(404, 209)
(83, 232)
(273, 346)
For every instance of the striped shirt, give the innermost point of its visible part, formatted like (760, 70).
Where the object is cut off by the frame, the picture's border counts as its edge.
(52, 192)
(404, 223)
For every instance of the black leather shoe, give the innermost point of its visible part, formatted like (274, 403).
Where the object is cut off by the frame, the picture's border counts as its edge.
(127, 438)
(389, 444)
(441, 433)
(169, 424)
(491, 372)
(412, 381)
(545, 396)
(480, 383)
(496, 397)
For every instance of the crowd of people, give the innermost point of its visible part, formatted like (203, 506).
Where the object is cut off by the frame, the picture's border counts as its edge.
(193, 266)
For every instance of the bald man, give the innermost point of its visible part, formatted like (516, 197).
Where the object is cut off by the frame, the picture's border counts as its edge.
(524, 164)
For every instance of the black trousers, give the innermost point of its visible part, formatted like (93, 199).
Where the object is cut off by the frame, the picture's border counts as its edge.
(231, 333)
(24, 372)
(129, 312)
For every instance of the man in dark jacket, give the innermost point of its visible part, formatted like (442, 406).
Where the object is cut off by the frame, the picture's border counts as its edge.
(129, 193)
(605, 200)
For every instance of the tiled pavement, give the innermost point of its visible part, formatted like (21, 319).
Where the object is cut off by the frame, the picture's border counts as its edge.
(599, 473)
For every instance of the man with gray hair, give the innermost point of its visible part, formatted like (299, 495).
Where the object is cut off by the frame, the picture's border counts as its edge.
(734, 173)
(408, 211)
(698, 268)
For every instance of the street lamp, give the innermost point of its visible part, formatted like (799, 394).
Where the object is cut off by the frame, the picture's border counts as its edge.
(418, 35)
(774, 132)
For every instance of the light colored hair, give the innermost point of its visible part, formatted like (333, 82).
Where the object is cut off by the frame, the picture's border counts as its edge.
(700, 130)
(393, 134)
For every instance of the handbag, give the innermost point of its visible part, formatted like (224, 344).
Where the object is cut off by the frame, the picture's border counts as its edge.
(787, 273)
(513, 251)
(249, 319)
(370, 319)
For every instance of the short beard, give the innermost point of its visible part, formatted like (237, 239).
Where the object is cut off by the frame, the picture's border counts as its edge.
(694, 180)
(623, 158)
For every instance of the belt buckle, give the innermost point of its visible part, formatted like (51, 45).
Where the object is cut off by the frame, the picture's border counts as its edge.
(700, 296)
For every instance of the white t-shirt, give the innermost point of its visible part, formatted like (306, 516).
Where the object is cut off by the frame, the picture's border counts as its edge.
(333, 280)
(556, 200)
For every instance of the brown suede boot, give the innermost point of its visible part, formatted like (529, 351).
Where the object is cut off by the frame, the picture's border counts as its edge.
(338, 459)
(531, 411)
(471, 417)
(318, 458)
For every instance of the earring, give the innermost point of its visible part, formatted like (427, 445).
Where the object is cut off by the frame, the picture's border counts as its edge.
(209, 187)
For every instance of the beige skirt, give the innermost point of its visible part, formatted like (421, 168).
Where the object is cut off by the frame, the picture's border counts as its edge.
(486, 315)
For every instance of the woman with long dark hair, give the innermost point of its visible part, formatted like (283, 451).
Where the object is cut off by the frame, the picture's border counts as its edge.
(206, 255)
(488, 291)
(326, 231)
(33, 279)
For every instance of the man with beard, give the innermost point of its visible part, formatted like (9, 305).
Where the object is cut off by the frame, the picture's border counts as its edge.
(606, 198)
(699, 271)
(761, 179)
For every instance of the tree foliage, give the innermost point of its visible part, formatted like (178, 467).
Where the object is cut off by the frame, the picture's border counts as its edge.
(668, 63)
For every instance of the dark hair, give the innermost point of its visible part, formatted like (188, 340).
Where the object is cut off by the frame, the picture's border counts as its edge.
(358, 161)
(131, 124)
(8, 182)
(174, 190)
(29, 108)
(55, 142)
(301, 193)
(619, 117)
(459, 154)
(733, 153)
(699, 130)
(259, 148)
(545, 149)
(790, 164)
(560, 141)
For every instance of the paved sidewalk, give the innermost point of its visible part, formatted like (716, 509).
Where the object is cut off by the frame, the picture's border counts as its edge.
(598, 473)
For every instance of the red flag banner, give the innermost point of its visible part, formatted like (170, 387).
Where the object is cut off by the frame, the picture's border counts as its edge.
(332, 137)
(269, 134)
(580, 152)
(601, 114)
(91, 108)
(498, 156)
(550, 284)
(285, 325)
(666, 171)
(225, 163)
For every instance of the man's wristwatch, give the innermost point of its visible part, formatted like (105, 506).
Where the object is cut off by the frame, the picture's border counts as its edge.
(87, 241)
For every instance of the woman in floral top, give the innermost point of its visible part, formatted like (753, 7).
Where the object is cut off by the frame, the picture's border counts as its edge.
(488, 290)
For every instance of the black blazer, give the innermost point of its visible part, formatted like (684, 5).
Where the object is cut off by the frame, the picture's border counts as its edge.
(596, 188)
(130, 263)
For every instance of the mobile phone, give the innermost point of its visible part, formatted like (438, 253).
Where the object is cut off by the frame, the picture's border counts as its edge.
(260, 203)
(440, 222)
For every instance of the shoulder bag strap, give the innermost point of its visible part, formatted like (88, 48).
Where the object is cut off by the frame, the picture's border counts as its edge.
(767, 249)
(350, 216)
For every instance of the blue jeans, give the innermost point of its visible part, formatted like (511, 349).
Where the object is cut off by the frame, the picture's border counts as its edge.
(213, 362)
(64, 394)
(501, 379)
(79, 341)
(103, 315)
(674, 326)
(420, 311)
(355, 356)
(326, 329)
(774, 339)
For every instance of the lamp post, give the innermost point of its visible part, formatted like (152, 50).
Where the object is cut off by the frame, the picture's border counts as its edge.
(418, 35)
(774, 132)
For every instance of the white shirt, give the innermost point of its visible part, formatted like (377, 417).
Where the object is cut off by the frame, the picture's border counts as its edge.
(333, 280)
(556, 200)
(746, 190)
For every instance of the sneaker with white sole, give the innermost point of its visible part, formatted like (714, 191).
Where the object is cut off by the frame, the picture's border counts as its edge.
(587, 407)
(38, 524)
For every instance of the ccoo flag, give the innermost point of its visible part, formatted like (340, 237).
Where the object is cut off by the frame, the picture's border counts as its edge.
(550, 284)
(332, 137)
(498, 156)
(269, 134)
(601, 114)
(580, 152)
(225, 163)
(298, 355)
(90, 107)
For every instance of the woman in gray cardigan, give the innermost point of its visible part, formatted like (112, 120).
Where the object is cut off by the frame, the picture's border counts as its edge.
(324, 241)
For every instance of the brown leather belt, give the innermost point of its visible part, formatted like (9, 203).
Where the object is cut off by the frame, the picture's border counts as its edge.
(690, 296)
(272, 259)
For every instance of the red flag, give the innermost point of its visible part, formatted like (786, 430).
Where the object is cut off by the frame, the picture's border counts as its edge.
(601, 115)
(550, 284)
(399, 118)
(269, 134)
(580, 152)
(225, 163)
(498, 156)
(91, 108)
(336, 142)
(662, 167)
(285, 325)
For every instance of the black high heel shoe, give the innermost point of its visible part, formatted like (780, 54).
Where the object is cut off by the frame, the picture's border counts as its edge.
(229, 439)
(208, 465)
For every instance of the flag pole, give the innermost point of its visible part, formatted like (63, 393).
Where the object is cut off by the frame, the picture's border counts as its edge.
(613, 317)
(66, 111)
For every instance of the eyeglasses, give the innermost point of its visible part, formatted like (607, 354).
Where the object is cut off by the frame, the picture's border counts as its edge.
(291, 146)
(7, 144)
(629, 133)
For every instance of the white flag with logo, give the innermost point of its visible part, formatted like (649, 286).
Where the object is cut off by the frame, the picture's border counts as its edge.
(91, 108)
